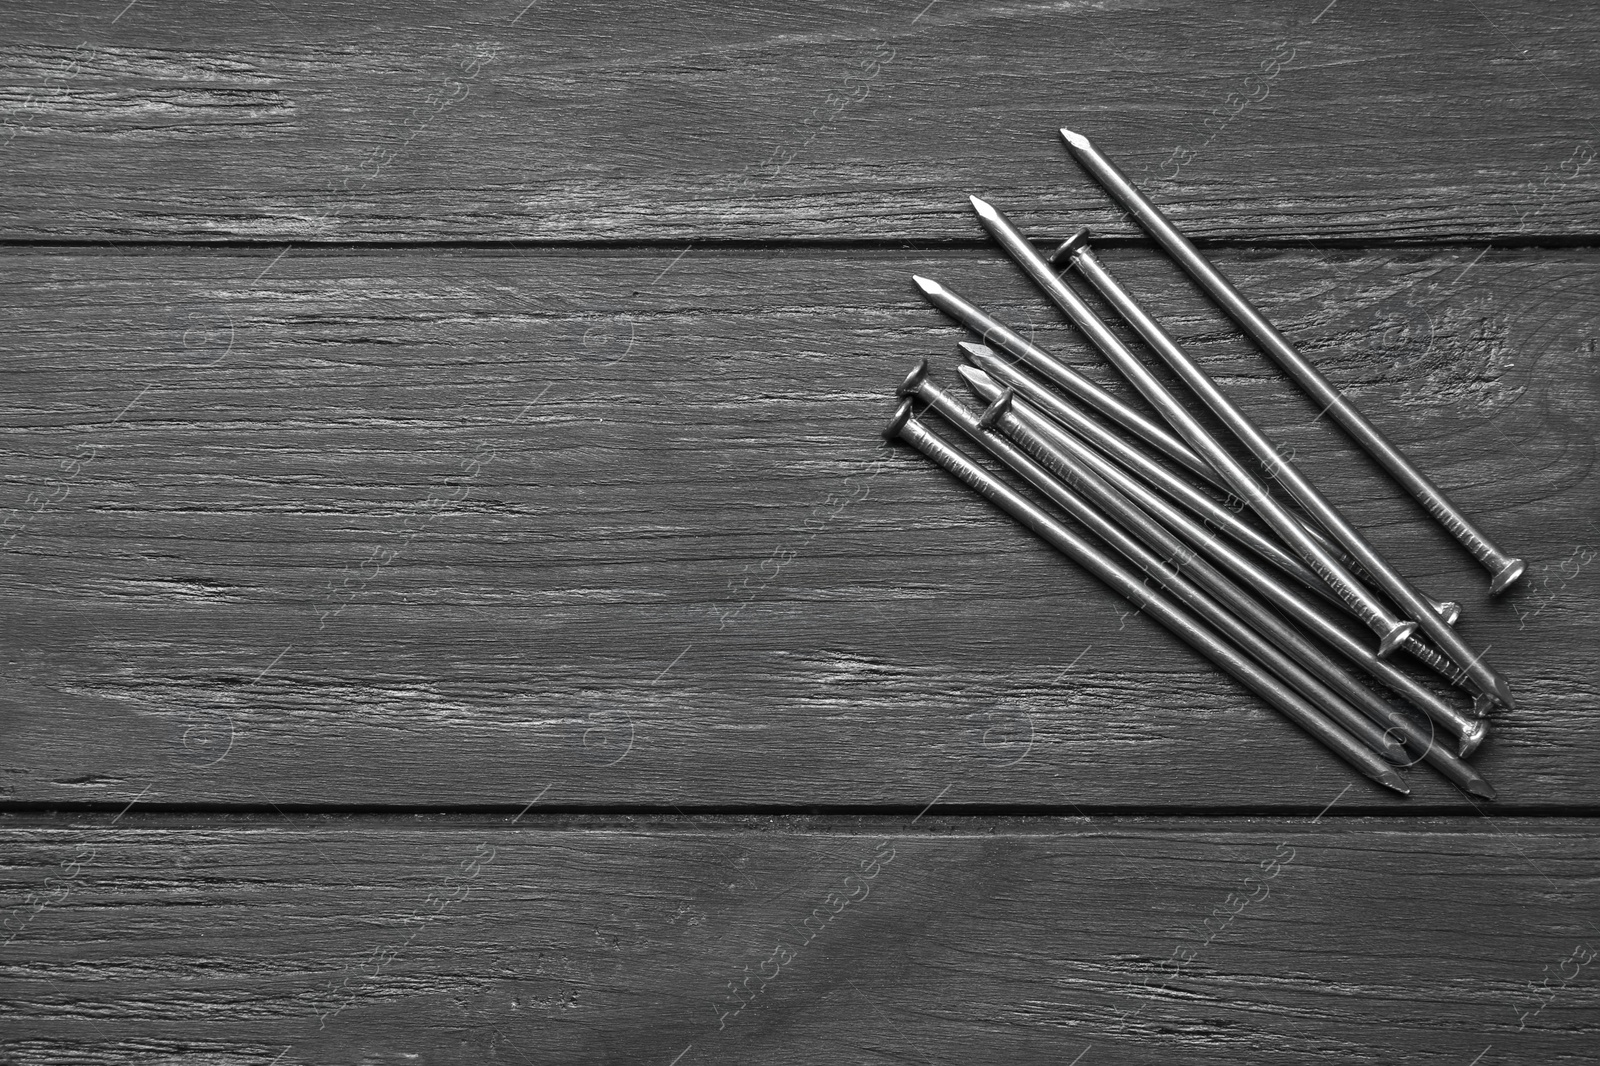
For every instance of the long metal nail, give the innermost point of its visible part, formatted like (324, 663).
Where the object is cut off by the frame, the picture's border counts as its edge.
(1281, 650)
(1286, 473)
(1392, 631)
(1064, 454)
(1130, 455)
(1179, 621)
(1505, 569)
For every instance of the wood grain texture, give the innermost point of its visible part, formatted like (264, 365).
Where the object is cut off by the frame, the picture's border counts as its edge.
(450, 527)
(303, 120)
(1118, 940)
(456, 608)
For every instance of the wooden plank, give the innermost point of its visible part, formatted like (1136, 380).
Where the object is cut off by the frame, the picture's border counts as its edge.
(1131, 940)
(448, 527)
(305, 120)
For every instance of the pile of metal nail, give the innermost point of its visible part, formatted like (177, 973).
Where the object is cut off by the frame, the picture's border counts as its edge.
(1260, 601)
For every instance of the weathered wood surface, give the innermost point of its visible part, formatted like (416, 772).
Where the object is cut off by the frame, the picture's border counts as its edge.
(446, 527)
(304, 120)
(565, 501)
(156, 939)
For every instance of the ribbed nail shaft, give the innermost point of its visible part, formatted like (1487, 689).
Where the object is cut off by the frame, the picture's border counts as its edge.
(1391, 630)
(1504, 568)
(1219, 602)
(1287, 474)
(1179, 621)
(1064, 454)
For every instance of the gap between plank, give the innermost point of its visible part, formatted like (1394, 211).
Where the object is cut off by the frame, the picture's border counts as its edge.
(519, 812)
(607, 247)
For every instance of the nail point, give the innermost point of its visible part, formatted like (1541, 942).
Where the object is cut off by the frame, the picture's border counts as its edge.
(969, 372)
(984, 208)
(1077, 140)
(982, 385)
(984, 358)
(1392, 779)
(1500, 691)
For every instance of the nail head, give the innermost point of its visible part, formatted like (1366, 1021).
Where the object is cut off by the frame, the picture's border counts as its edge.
(1071, 246)
(902, 415)
(996, 410)
(913, 379)
(1507, 576)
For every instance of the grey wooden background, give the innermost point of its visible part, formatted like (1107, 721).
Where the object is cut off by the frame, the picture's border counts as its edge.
(458, 607)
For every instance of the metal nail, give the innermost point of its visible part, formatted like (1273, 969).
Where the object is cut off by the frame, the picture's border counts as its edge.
(1067, 456)
(1287, 474)
(1391, 630)
(1505, 569)
(1177, 620)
